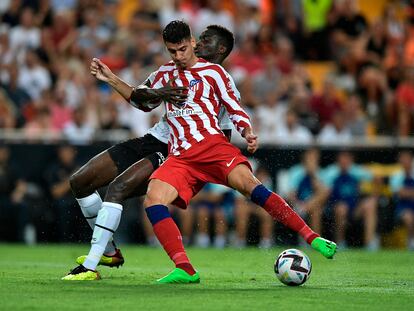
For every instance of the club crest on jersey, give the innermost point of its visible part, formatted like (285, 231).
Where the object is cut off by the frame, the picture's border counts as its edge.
(194, 84)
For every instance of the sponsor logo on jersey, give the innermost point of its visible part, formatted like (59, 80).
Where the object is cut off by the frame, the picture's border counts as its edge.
(183, 112)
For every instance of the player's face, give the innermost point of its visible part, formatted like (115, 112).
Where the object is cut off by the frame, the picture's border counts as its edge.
(207, 46)
(182, 53)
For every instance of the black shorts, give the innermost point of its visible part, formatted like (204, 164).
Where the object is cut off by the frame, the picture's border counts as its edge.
(132, 150)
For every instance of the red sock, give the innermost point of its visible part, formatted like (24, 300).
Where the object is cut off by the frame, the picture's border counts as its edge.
(282, 212)
(170, 238)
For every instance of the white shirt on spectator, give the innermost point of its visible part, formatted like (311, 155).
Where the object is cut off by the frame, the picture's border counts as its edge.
(78, 135)
(168, 14)
(298, 135)
(267, 119)
(22, 38)
(135, 119)
(330, 135)
(34, 80)
(207, 17)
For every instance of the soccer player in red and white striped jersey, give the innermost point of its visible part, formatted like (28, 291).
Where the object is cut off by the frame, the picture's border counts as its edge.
(199, 152)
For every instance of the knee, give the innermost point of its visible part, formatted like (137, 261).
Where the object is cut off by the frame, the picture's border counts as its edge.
(152, 198)
(76, 185)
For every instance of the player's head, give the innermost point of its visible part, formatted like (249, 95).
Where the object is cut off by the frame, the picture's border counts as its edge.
(179, 43)
(215, 43)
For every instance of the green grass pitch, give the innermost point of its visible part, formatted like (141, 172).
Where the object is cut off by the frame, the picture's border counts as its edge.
(231, 280)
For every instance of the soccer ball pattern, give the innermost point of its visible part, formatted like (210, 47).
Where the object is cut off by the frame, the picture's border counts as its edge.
(293, 267)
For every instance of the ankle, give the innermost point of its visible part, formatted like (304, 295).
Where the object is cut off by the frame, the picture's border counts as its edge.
(187, 267)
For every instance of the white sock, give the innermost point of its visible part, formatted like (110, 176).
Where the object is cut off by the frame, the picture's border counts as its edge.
(90, 207)
(106, 224)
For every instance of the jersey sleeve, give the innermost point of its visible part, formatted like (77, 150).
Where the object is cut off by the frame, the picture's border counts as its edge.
(152, 79)
(229, 96)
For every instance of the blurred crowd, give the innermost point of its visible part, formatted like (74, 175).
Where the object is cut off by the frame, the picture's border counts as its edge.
(306, 69)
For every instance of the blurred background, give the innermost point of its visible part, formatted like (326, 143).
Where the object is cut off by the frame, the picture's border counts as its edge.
(329, 85)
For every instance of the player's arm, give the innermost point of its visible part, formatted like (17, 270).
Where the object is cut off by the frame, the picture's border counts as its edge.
(144, 97)
(230, 97)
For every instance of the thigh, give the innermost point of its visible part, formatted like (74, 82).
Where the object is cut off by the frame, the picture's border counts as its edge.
(242, 179)
(96, 173)
(180, 175)
(130, 151)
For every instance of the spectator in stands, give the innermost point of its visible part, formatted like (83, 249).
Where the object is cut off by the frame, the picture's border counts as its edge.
(13, 188)
(244, 209)
(307, 194)
(93, 36)
(57, 178)
(12, 16)
(7, 112)
(33, 76)
(40, 128)
(78, 131)
(213, 11)
(356, 119)
(326, 104)
(346, 204)
(291, 132)
(26, 35)
(19, 98)
(350, 27)
(315, 22)
(210, 204)
(402, 186)
(336, 132)
(404, 100)
(7, 57)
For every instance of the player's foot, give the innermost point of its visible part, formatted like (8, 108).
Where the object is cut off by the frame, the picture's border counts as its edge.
(115, 260)
(325, 247)
(179, 276)
(80, 273)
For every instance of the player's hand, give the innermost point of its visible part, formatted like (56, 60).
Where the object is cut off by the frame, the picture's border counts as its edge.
(176, 95)
(100, 70)
(251, 139)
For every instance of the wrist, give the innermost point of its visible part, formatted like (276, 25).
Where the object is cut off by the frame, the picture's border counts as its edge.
(247, 131)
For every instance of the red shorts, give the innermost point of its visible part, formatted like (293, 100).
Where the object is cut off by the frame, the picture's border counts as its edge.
(211, 160)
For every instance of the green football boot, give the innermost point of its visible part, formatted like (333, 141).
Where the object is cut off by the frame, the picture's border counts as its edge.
(115, 260)
(80, 273)
(325, 247)
(179, 276)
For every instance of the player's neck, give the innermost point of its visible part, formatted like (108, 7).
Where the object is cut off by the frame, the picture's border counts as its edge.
(192, 62)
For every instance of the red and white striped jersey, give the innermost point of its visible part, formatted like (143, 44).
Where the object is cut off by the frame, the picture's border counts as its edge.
(210, 87)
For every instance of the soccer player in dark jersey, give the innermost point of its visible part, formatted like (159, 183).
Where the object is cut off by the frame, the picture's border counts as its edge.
(127, 166)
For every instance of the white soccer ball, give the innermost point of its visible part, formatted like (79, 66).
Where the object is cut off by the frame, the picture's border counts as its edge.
(293, 267)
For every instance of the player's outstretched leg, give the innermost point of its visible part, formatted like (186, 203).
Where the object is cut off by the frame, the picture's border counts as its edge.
(132, 181)
(170, 238)
(106, 224)
(280, 211)
(98, 172)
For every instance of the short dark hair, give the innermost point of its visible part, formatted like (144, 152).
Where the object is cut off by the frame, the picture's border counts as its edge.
(226, 37)
(176, 32)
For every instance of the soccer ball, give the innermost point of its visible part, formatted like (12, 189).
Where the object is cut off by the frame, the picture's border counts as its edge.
(293, 267)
